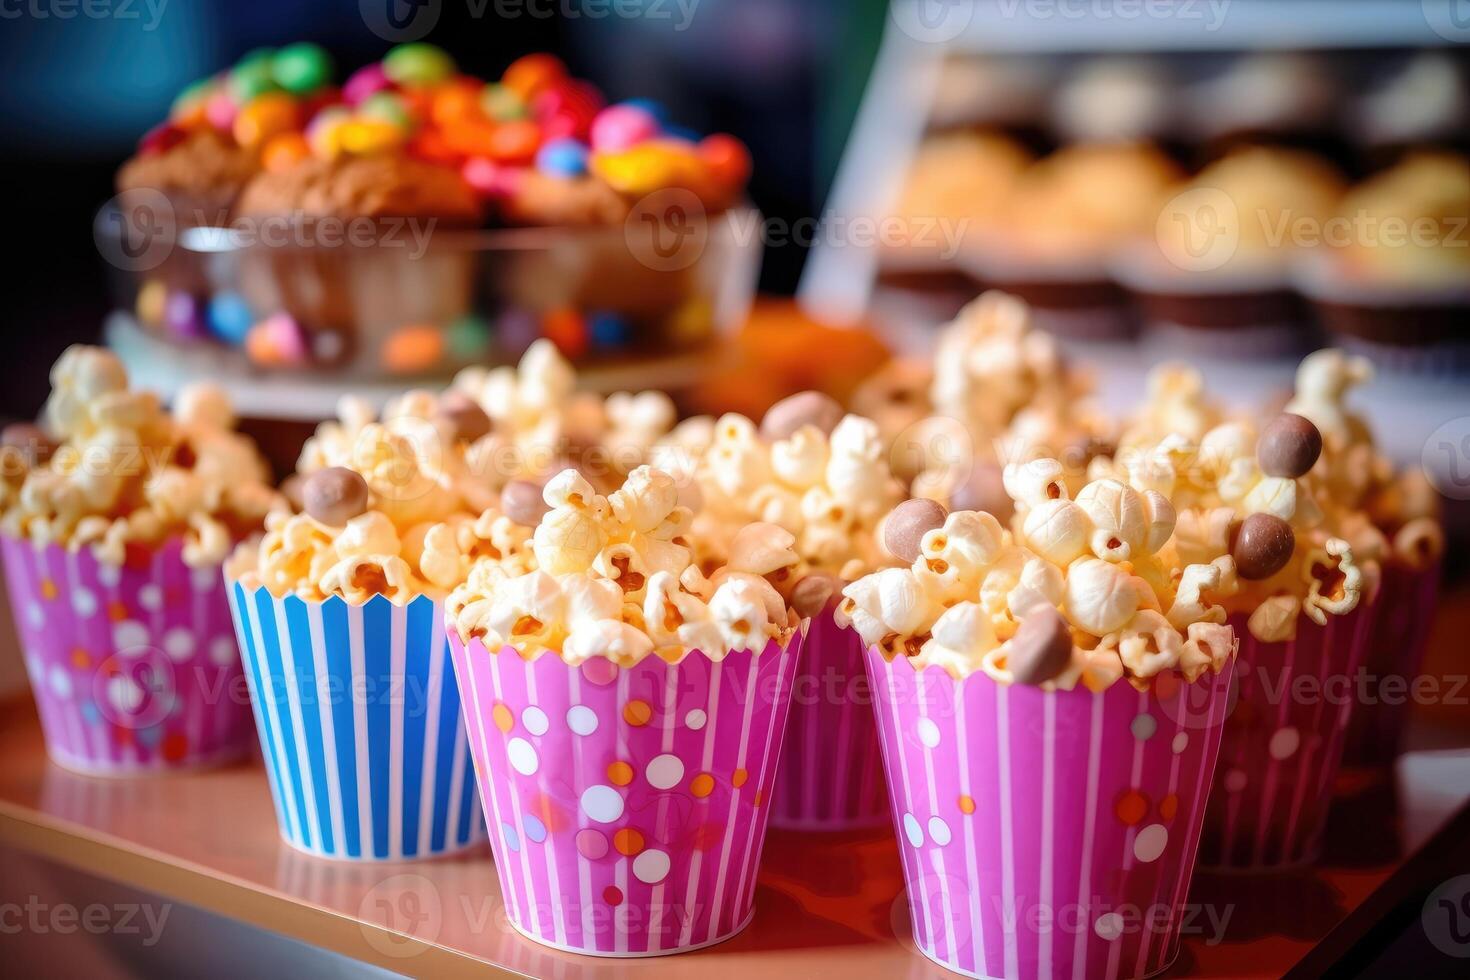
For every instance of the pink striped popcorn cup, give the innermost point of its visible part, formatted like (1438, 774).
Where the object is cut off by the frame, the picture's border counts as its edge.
(831, 773)
(1282, 745)
(134, 668)
(627, 805)
(1046, 833)
(1403, 616)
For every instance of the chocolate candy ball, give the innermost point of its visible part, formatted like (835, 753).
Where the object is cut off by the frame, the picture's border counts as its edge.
(1289, 446)
(291, 488)
(1041, 648)
(1262, 546)
(467, 420)
(984, 489)
(805, 408)
(521, 501)
(812, 594)
(334, 495)
(30, 441)
(904, 528)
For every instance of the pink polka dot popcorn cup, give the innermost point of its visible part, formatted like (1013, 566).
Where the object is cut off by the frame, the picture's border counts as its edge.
(361, 725)
(134, 668)
(1403, 616)
(1046, 833)
(1283, 743)
(831, 772)
(627, 805)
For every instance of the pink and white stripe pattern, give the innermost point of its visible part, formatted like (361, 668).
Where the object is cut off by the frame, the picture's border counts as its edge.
(831, 773)
(1282, 745)
(1403, 615)
(1046, 834)
(134, 668)
(627, 806)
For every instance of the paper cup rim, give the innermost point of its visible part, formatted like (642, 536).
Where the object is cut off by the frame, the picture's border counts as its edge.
(1082, 688)
(476, 642)
(378, 600)
(173, 542)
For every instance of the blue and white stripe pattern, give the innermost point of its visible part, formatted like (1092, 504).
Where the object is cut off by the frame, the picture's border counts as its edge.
(360, 724)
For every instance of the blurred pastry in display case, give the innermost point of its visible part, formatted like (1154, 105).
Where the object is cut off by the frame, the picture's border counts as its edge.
(1114, 99)
(1217, 273)
(1395, 277)
(955, 190)
(1281, 96)
(1063, 220)
(995, 92)
(419, 219)
(1426, 100)
(222, 131)
(346, 306)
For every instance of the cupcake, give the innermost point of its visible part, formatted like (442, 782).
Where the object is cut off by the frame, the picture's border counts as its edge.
(1001, 393)
(1215, 273)
(955, 189)
(1063, 221)
(1389, 516)
(1302, 609)
(1114, 100)
(344, 306)
(1393, 281)
(822, 477)
(633, 212)
(223, 131)
(354, 262)
(1280, 96)
(115, 516)
(1050, 703)
(989, 91)
(340, 612)
(627, 711)
(189, 173)
(1426, 100)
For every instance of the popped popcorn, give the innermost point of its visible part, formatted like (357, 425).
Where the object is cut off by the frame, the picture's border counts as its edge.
(110, 469)
(827, 489)
(541, 424)
(981, 597)
(1262, 496)
(610, 576)
(1000, 392)
(392, 505)
(1385, 515)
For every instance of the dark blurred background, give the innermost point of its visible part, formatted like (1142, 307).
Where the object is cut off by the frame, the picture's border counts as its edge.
(77, 90)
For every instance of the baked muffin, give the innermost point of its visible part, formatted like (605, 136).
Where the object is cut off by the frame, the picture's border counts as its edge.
(350, 187)
(958, 177)
(1064, 219)
(1396, 280)
(390, 266)
(1084, 201)
(1426, 198)
(1258, 195)
(222, 131)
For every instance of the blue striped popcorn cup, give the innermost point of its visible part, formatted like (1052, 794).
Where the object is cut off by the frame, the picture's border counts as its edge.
(360, 723)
